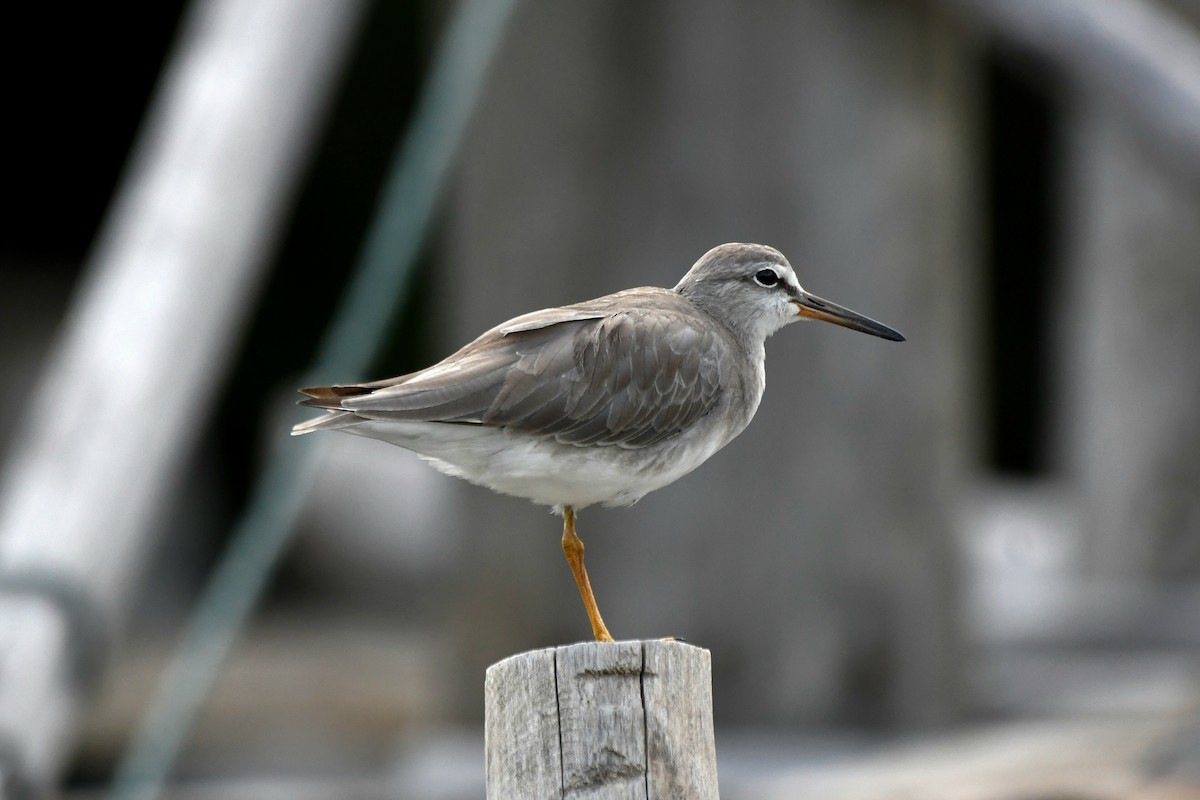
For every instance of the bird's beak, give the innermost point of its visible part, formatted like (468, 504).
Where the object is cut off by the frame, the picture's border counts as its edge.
(813, 307)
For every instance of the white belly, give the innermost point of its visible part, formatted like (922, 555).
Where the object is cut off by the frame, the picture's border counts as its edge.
(543, 470)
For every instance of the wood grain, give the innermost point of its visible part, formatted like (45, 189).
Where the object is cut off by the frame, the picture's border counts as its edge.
(602, 721)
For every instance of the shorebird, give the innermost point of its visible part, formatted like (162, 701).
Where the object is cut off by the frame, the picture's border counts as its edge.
(602, 401)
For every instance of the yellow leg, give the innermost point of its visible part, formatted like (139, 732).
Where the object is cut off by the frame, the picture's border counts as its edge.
(573, 549)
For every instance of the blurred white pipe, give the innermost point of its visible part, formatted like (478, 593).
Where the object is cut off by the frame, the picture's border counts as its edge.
(134, 373)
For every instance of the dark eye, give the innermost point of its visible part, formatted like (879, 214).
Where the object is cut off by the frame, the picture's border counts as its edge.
(766, 277)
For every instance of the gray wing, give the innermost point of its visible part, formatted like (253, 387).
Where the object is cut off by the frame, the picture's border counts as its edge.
(630, 378)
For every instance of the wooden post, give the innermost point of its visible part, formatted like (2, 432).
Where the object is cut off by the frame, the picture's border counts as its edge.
(628, 720)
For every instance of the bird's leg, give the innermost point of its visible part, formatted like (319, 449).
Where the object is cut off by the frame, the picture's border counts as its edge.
(573, 549)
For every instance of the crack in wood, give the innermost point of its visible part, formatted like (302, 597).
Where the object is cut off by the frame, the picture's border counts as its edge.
(616, 670)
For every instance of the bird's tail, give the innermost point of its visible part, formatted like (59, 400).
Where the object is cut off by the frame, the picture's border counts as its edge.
(331, 396)
(331, 421)
(330, 399)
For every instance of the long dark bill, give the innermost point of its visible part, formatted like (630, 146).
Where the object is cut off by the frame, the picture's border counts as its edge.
(813, 307)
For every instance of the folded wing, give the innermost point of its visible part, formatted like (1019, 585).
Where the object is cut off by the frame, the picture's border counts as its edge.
(627, 378)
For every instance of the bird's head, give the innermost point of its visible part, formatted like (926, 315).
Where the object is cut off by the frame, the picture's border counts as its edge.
(753, 289)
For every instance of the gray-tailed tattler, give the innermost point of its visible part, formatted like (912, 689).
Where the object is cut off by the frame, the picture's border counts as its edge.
(602, 401)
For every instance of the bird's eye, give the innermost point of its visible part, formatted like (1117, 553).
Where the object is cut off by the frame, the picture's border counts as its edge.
(766, 277)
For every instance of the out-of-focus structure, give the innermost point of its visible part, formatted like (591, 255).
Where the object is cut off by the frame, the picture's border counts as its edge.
(123, 395)
(998, 521)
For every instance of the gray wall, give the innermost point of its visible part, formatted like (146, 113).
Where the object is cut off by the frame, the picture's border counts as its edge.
(1131, 378)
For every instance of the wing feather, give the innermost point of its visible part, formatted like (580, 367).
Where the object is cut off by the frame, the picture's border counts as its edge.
(621, 376)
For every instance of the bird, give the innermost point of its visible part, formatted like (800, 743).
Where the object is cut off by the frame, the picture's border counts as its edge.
(598, 402)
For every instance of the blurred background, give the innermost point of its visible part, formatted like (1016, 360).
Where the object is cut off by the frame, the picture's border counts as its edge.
(965, 566)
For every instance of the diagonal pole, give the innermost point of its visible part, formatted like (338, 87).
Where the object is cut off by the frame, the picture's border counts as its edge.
(417, 177)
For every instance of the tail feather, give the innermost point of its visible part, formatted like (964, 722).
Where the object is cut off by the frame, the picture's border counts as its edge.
(331, 421)
(331, 396)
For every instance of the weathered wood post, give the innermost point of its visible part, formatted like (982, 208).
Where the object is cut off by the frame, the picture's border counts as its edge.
(602, 720)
